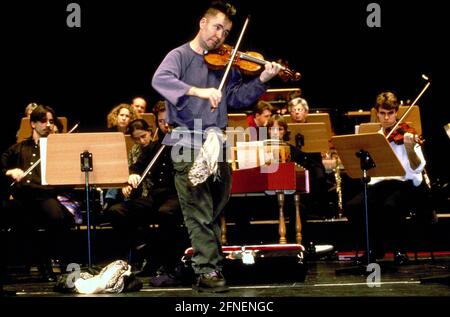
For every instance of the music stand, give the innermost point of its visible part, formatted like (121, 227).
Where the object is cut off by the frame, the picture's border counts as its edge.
(364, 156)
(103, 161)
(315, 136)
(280, 95)
(321, 117)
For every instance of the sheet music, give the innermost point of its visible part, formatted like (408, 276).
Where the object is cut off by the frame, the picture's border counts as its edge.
(258, 153)
(250, 154)
(43, 153)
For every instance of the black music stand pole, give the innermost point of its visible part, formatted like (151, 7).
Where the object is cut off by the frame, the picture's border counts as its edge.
(366, 163)
(86, 167)
(66, 153)
(353, 151)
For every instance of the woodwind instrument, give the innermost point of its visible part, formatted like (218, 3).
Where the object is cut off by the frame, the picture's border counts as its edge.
(338, 178)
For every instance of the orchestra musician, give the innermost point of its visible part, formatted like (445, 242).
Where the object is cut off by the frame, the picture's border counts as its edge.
(34, 205)
(258, 119)
(139, 105)
(390, 199)
(156, 202)
(195, 104)
(117, 120)
(316, 205)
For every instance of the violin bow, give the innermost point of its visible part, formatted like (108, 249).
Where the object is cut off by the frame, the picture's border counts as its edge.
(150, 165)
(410, 107)
(233, 55)
(155, 135)
(39, 160)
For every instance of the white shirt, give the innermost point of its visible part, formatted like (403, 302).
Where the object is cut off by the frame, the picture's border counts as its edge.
(400, 152)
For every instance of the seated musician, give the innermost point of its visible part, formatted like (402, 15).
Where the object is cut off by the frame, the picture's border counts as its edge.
(298, 109)
(119, 117)
(118, 120)
(35, 205)
(390, 198)
(157, 203)
(316, 204)
(139, 105)
(258, 119)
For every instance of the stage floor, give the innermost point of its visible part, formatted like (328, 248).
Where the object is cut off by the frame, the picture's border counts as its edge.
(322, 280)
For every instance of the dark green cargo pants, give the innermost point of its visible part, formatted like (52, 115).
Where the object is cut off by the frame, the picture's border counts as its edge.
(202, 206)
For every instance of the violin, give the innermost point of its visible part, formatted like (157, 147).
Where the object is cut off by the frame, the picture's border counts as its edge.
(250, 63)
(397, 135)
(401, 132)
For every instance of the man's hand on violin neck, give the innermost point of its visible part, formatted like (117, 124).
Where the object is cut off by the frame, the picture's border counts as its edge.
(271, 69)
(212, 94)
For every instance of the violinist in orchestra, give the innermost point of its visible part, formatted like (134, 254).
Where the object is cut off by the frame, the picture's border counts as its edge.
(390, 198)
(154, 201)
(33, 205)
(197, 112)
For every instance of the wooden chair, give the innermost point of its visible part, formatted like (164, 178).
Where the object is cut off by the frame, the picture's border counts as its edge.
(150, 119)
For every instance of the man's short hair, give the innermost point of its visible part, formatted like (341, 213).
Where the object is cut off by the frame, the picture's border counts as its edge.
(261, 106)
(221, 6)
(386, 100)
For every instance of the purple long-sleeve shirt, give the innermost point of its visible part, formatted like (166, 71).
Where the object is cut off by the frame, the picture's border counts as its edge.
(182, 69)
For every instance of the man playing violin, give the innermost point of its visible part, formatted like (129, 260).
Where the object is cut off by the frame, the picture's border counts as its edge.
(197, 107)
(390, 199)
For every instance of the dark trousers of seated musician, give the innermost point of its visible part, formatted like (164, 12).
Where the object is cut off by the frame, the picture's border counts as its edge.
(316, 202)
(389, 203)
(31, 211)
(131, 221)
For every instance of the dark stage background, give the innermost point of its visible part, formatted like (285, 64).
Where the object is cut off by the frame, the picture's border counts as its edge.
(84, 72)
